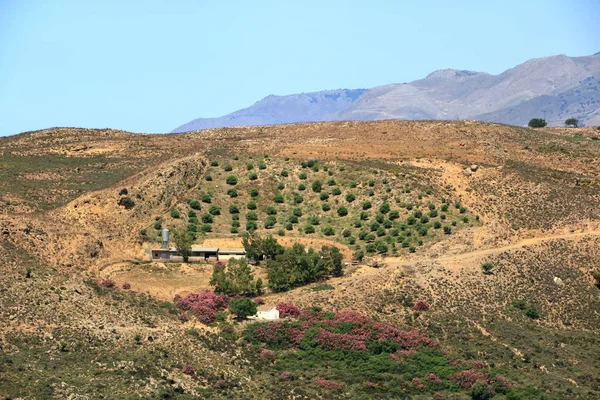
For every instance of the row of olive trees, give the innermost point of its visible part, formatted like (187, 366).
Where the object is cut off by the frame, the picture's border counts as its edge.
(540, 122)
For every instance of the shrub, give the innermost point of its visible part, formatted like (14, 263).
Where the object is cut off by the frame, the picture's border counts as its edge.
(331, 182)
(285, 173)
(302, 175)
(107, 283)
(342, 211)
(346, 233)
(251, 205)
(253, 192)
(297, 212)
(126, 202)
(270, 222)
(364, 216)
(394, 215)
(596, 276)
(437, 225)
(350, 197)
(278, 198)
(253, 176)
(447, 230)
(371, 183)
(314, 220)
(207, 218)
(258, 300)
(242, 308)
(317, 186)
(328, 231)
(532, 312)
(175, 213)
(281, 186)
(270, 210)
(325, 207)
(302, 186)
(208, 178)
(487, 268)
(195, 204)
(215, 210)
(123, 192)
(366, 205)
(157, 225)
(298, 198)
(262, 165)
(309, 229)
(537, 123)
(384, 208)
(234, 209)
(232, 180)
(249, 166)
(251, 226)
(251, 216)
(189, 370)
(214, 163)
(288, 310)
(421, 306)
(379, 218)
(336, 191)
(232, 193)
(206, 198)
(228, 167)
(324, 196)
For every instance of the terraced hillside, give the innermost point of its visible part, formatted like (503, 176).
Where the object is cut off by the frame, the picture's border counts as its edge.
(479, 274)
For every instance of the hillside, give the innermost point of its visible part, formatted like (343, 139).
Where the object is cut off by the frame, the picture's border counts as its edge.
(476, 247)
(556, 87)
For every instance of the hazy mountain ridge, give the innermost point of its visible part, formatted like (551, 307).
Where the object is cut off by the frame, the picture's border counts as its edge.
(555, 87)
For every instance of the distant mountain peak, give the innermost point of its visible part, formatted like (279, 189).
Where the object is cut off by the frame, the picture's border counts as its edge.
(452, 73)
(557, 87)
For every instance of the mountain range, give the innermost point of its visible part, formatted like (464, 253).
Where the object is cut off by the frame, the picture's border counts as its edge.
(555, 88)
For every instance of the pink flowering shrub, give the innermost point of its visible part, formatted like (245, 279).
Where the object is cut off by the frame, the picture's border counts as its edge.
(258, 300)
(341, 341)
(467, 378)
(288, 310)
(285, 375)
(439, 396)
(189, 370)
(328, 384)
(418, 383)
(204, 305)
(503, 381)
(205, 314)
(433, 378)
(126, 286)
(268, 354)
(107, 283)
(421, 306)
(478, 364)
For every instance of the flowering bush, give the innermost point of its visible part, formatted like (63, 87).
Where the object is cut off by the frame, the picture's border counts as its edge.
(189, 370)
(285, 375)
(258, 300)
(328, 384)
(466, 379)
(478, 364)
(421, 306)
(288, 310)
(204, 305)
(268, 354)
(107, 283)
(503, 381)
(418, 383)
(205, 314)
(433, 378)
(341, 341)
(126, 286)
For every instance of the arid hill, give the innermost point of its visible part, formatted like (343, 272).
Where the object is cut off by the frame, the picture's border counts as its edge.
(507, 274)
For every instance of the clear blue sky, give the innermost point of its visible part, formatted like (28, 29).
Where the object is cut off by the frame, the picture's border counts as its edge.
(150, 66)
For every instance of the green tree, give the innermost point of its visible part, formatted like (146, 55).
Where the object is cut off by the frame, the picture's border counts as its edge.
(183, 243)
(242, 308)
(574, 122)
(537, 123)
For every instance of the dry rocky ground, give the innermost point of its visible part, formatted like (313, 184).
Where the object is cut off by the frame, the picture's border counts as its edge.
(536, 193)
